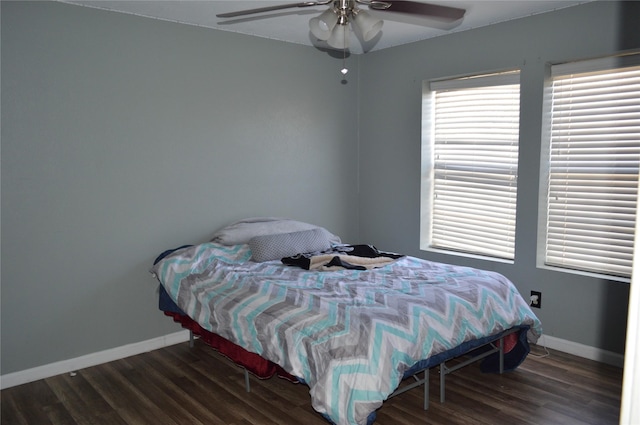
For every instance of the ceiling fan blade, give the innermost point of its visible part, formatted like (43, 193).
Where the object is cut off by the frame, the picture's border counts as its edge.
(426, 9)
(270, 8)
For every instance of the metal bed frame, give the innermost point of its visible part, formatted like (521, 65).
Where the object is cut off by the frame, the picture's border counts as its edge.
(445, 370)
(424, 380)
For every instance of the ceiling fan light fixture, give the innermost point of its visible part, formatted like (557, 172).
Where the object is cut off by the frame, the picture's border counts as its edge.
(322, 26)
(368, 25)
(339, 37)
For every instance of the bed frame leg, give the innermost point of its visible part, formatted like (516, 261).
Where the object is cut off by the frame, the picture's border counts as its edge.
(190, 339)
(426, 389)
(501, 345)
(247, 384)
(444, 370)
(443, 373)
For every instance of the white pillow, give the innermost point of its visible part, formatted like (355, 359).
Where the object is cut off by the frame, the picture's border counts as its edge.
(242, 231)
(280, 245)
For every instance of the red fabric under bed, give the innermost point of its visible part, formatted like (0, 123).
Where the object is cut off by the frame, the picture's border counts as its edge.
(255, 364)
(510, 341)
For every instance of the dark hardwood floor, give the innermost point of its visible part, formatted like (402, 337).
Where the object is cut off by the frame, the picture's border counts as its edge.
(179, 385)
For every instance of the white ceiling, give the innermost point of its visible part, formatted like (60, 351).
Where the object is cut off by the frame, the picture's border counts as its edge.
(292, 25)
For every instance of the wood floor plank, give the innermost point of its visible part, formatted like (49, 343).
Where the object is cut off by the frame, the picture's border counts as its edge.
(80, 399)
(182, 385)
(131, 405)
(159, 395)
(10, 412)
(59, 415)
(30, 411)
(170, 389)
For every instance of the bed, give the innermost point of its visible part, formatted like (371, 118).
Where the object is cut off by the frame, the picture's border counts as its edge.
(350, 321)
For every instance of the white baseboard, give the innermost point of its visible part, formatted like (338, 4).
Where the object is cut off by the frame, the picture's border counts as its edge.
(581, 350)
(41, 372)
(94, 359)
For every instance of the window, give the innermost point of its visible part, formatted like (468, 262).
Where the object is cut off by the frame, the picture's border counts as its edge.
(592, 160)
(470, 164)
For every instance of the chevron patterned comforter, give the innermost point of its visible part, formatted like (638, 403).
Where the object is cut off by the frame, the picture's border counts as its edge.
(349, 334)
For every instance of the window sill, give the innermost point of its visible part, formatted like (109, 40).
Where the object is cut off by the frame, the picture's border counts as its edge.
(585, 273)
(468, 255)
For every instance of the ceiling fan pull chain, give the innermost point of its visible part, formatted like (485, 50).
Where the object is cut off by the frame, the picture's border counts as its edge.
(344, 69)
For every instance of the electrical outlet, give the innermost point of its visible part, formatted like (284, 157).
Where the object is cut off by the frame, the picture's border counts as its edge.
(536, 299)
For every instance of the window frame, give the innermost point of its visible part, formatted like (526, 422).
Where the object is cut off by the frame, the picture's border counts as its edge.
(558, 70)
(429, 88)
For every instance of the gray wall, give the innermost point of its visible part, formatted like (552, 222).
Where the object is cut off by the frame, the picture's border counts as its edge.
(123, 137)
(580, 309)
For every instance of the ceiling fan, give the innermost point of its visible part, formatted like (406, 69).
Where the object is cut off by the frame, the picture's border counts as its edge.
(332, 26)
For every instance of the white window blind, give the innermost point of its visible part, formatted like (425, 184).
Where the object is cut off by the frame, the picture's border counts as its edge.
(474, 164)
(594, 155)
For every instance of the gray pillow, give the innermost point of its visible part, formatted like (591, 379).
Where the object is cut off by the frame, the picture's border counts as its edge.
(277, 246)
(242, 231)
